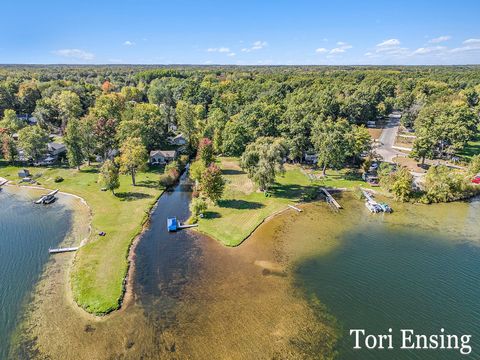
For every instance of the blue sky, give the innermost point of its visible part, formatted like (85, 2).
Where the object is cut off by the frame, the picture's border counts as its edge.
(240, 32)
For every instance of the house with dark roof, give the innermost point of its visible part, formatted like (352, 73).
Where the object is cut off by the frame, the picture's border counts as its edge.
(178, 140)
(160, 157)
(56, 149)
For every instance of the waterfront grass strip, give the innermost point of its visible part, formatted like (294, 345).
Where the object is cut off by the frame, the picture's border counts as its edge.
(243, 208)
(101, 265)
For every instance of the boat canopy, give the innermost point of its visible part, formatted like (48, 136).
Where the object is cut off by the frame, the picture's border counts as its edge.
(172, 224)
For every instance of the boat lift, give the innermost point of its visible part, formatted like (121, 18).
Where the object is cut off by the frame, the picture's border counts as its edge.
(173, 225)
(48, 198)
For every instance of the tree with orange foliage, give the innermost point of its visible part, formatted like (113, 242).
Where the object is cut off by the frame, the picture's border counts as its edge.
(107, 87)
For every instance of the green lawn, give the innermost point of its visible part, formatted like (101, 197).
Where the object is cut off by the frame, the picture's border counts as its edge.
(101, 265)
(472, 148)
(243, 208)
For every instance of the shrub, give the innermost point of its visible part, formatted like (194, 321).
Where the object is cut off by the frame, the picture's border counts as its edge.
(166, 180)
(443, 185)
(58, 179)
(198, 206)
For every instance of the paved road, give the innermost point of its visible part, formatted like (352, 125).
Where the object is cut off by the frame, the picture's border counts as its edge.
(387, 140)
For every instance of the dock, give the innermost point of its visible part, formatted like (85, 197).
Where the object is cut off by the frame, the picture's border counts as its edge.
(62, 250)
(374, 206)
(3, 182)
(186, 226)
(367, 195)
(48, 198)
(294, 208)
(330, 199)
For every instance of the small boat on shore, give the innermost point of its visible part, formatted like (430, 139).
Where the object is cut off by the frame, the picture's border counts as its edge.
(373, 207)
(48, 198)
(385, 207)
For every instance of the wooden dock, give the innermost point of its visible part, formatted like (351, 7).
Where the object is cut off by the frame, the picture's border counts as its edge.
(62, 250)
(294, 208)
(186, 226)
(367, 195)
(3, 182)
(330, 199)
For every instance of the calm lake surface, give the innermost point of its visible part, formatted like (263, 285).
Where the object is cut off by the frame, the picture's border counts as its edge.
(416, 269)
(292, 290)
(26, 233)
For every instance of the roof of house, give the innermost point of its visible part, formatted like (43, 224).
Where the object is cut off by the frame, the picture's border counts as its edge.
(56, 146)
(164, 153)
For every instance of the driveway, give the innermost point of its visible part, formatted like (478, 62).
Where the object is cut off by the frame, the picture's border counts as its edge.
(387, 139)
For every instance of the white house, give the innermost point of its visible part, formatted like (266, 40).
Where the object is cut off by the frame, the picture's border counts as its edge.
(158, 157)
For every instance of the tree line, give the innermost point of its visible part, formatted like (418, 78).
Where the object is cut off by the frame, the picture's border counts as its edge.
(294, 110)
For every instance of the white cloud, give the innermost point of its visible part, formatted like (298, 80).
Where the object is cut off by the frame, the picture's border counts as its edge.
(220, 49)
(128, 43)
(389, 43)
(440, 39)
(391, 47)
(75, 54)
(430, 50)
(470, 45)
(472, 41)
(223, 50)
(342, 47)
(257, 45)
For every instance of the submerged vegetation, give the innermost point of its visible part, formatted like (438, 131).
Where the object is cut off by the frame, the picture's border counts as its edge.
(248, 129)
(100, 266)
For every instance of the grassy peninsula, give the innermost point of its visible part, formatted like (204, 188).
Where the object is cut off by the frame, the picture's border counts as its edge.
(243, 207)
(101, 265)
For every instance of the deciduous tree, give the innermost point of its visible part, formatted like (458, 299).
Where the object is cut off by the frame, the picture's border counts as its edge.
(133, 157)
(109, 176)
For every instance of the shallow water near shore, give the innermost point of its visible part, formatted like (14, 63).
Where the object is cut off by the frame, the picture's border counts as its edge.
(418, 268)
(26, 233)
(292, 290)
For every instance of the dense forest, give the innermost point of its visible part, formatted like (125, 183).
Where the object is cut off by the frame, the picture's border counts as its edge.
(313, 109)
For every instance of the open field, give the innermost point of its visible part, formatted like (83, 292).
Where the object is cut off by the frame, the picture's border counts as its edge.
(101, 265)
(243, 207)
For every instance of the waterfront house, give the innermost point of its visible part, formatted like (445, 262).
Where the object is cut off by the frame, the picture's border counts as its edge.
(160, 157)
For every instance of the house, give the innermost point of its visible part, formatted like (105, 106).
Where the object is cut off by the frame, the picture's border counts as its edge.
(178, 140)
(158, 157)
(311, 158)
(24, 173)
(56, 149)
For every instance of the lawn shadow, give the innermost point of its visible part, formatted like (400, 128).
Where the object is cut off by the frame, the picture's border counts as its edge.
(130, 196)
(291, 191)
(152, 184)
(156, 169)
(211, 215)
(89, 171)
(232, 172)
(240, 204)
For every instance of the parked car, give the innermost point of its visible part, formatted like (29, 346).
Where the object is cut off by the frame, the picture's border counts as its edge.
(476, 180)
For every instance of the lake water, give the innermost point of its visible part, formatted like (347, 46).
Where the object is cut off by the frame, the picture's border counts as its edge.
(26, 233)
(416, 269)
(292, 290)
